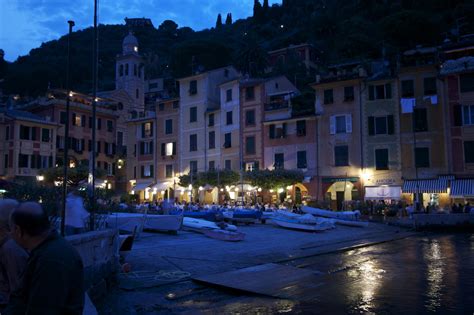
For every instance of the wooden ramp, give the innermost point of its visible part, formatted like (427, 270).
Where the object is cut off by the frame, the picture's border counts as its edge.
(269, 279)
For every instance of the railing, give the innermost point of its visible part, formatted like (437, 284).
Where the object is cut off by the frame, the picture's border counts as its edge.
(277, 105)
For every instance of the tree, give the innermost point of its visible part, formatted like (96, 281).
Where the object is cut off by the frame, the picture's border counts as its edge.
(31, 191)
(271, 179)
(219, 21)
(257, 9)
(251, 58)
(265, 5)
(168, 27)
(228, 20)
(75, 176)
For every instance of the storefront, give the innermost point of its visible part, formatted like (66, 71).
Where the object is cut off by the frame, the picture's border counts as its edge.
(389, 194)
(433, 192)
(338, 190)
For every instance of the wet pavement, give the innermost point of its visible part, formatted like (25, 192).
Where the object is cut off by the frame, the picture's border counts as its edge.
(421, 274)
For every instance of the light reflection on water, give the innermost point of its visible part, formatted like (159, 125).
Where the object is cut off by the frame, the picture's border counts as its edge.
(435, 267)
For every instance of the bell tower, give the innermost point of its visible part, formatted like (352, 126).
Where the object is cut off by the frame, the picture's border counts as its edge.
(130, 73)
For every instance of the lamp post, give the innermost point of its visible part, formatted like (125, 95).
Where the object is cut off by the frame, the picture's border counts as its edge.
(66, 131)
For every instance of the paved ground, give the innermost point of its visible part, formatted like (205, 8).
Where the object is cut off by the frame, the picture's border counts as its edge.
(162, 265)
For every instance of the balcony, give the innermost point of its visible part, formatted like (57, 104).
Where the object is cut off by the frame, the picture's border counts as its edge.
(276, 105)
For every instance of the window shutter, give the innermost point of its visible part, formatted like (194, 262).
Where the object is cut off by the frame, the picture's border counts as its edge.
(90, 145)
(152, 173)
(90, 122)
(73, 122)
(457, 115)
(371, 92)
(38, 161)
(332, 125)
(98, 147)
(143, 130)
(74, 144)
(33, 161)
(143, 171)
(151, 147)
(99, 124)
(163, 148)
(50, 161)
(114, 148)
(113, 168)
(272, 131)
(390, 125)
(371, 125)
(83, 120)
(388, 90)
(83, 144)
(174, 148)
(348, 123)
(142, 148)
(151, 129)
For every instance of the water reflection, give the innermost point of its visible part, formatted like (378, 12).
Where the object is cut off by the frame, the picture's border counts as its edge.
(368, 277)
(435, 266)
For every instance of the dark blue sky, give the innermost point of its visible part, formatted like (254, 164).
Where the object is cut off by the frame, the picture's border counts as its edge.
(25, 24)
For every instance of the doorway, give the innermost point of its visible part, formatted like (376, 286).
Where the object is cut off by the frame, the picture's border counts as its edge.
(339, 199)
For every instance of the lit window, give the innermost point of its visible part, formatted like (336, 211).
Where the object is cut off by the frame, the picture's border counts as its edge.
(169, 149)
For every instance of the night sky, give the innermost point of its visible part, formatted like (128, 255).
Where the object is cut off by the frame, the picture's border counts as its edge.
(25, 24)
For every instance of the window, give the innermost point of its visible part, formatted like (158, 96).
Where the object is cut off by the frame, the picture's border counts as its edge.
(228, 140)
(121, 70)
(348, 93)
(212, 139)
(301, 159)
(110, 125)
(328, 96)
(137, 93)
(126, 69)
(420, 120)
(146, 148)
(25, 132)
(250, 93)
(341, 155)
(193, 87)
(77, 120)
(147, 171)
(429, 86)
(301, 128)
(468, 115)
(251, 166)
(340, 124)
(381, 125)
(193, 114)
(467, 82)
(120, 138)
(250, 117)
(279, 161)
(469, 151)
(7, 133)
(192, 143)
(212, 165)
(271, 131)
(228, 95)
(379, 92)
(5, 161)
(250, 145)
(175, 104)
(62, 118)
(280, 131)
(193, 166)
(45, 135)
(161, 107)
(169, 171)
(23, 160)
(99, 123)
(422, 157)
(228, 165)
(229, 118)
(381, 159)
(211, 120)
(168, 149)
(408, 88)
(147, 130)
(168, 126)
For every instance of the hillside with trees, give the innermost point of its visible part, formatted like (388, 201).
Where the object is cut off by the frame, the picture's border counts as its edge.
(339, 29)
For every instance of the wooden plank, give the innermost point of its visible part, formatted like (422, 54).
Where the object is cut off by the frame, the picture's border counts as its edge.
(269, 279)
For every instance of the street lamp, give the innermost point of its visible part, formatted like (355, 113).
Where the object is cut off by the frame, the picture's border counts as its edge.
(66, 130)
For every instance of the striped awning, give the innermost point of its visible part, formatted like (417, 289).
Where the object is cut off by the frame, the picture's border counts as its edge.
(462, 188)
(427, 186)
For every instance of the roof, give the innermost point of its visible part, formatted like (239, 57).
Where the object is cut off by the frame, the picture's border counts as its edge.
(206, 72)
(130, 39)
(24, 115)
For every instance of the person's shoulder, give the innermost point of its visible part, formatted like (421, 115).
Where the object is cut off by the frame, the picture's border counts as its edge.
(12, 247)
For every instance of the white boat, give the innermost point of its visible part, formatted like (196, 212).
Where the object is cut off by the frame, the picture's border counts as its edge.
(343, 215)
(294, 225)
(200, 224)
(304, 219)
(127, 222)
(165, 222)
(351, 223)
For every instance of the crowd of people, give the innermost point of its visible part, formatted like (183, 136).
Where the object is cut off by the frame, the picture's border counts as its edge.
(40, 272)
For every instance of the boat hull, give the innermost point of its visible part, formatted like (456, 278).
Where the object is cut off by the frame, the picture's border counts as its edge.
(163, 223)
(298, 226)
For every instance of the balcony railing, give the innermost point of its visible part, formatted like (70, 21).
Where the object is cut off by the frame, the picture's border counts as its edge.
(277, 105)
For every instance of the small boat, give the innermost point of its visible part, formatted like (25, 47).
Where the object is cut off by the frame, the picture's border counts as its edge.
(351, 223)
(200, 225)
(163, 222)
(225, 235)
(205, 215)
(342, 215)
(242, 215)
(295, 225)
(126, 222)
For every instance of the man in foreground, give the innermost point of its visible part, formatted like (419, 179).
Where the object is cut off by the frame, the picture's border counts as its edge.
(53, 280)
(12, 257)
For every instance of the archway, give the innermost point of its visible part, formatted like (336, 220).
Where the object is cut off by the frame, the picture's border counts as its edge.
(339, 192)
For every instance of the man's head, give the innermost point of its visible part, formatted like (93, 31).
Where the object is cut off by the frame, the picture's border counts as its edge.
(6, 208)
(29, 224)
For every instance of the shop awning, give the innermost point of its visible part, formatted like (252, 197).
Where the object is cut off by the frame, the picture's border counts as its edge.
(161, 186)
(462, 188)
(141, 186)
(427, 186)
(383, 193)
